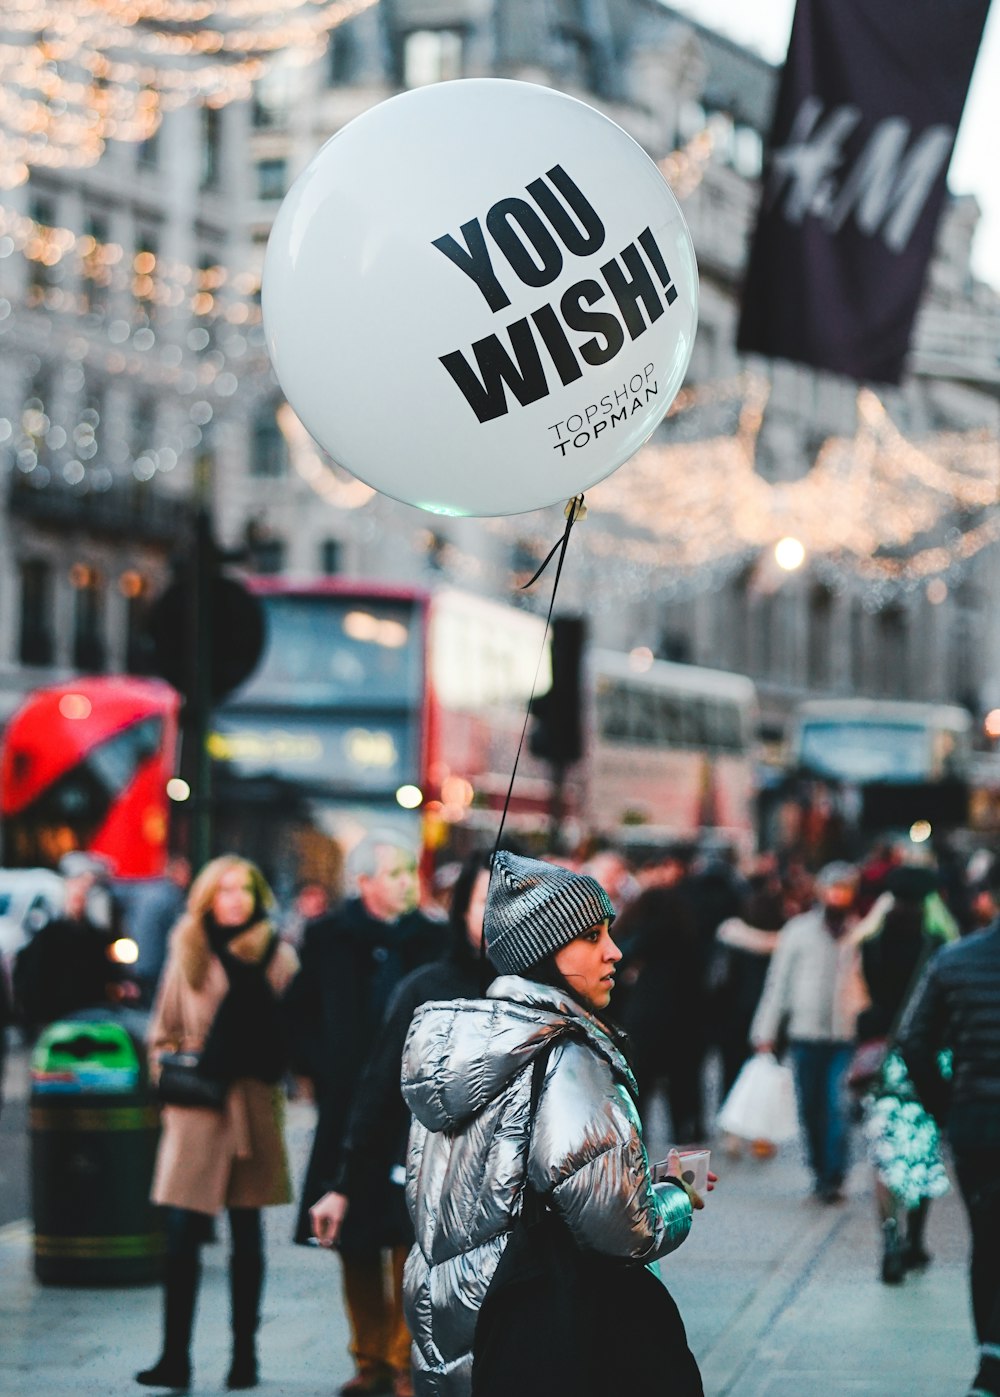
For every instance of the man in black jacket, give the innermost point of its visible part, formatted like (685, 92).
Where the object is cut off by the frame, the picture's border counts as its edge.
(957, 1007)
(352, 962)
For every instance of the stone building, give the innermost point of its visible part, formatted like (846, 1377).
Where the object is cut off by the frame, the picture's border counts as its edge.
(694, 100)
(685, 91)
(116, 373)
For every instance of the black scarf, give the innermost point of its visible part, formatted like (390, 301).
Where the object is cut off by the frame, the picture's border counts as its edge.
(249, 1036)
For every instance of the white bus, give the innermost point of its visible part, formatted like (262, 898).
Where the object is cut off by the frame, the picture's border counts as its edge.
(907, 761)
(670, 751)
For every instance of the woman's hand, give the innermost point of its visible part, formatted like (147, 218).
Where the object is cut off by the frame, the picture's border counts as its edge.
(675, 1170)
(327, 1217)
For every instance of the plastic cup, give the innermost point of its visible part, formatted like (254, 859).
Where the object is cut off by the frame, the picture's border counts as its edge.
(694, 1169)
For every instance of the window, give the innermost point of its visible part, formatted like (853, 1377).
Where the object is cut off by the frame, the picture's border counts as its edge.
(211, 146)
(269, 452)
(691, 119)
(148, 152)
(144, 274)
(138, 645)
(272, 179)
(891, 650)
(820, 637)
(329, 556)
(43, 211)
(748, 152)
(35, 645)
(88, 617)
(95, 269)
(207, 283)
(143, 428)
(342, 56)
(269, 556)
(431, 55)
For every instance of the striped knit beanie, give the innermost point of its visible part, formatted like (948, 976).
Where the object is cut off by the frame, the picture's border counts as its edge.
(533, 908)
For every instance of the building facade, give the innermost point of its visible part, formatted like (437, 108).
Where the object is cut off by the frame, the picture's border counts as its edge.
(700, 105)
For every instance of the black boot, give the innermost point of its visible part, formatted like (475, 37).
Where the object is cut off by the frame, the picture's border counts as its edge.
(987, 1380)
(180, 1291)
(246, 1280)
(915, 1255)
(893, 1270)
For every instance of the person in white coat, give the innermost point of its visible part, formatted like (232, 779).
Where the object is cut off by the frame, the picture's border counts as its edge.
(814, 992)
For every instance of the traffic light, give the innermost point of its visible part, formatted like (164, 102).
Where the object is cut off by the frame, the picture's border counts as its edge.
(556, 733)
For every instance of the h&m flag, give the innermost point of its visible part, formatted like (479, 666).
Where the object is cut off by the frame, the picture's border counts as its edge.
(866, 118)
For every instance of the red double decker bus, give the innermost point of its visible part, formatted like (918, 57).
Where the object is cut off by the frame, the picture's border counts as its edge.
(374, 706)
(85, 765)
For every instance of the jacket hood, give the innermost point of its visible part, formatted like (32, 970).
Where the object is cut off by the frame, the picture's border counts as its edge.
(461, 1054)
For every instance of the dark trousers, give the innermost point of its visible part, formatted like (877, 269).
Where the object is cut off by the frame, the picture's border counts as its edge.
(186, 1231)
(820, 1085)
(978, 1173)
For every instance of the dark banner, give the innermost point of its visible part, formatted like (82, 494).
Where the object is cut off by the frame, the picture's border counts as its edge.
(868, 109)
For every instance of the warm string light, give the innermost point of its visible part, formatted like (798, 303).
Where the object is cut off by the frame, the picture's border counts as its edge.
(75, 74)
(103, 267)
(335, 486)
(82, 451)
(684, 169)
(684, 515)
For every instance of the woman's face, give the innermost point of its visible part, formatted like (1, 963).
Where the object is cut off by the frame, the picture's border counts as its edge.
(588, 963)
(233, 901)
(477, 910)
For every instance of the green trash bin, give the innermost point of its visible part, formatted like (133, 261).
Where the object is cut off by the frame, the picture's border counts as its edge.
(94, 1130)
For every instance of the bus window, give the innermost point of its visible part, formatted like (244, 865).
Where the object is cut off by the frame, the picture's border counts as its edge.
(689, 734)
(370, 652)
(644, 717)
(670, 707)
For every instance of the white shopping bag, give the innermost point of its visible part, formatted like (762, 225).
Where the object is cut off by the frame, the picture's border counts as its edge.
(761, 1104)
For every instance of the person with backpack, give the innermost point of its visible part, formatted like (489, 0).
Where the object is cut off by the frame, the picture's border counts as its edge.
(534, 1207)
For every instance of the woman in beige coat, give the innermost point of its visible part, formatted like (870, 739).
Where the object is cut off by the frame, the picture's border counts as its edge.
(219, 998)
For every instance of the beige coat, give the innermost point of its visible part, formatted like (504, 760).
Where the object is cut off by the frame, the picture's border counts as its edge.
(234, 1158)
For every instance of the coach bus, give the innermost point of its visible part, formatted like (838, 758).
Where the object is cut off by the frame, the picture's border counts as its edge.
(671, 751)
(85, 765)
(906, 762)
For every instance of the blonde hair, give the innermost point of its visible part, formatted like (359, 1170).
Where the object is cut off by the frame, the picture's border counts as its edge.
(190, 938)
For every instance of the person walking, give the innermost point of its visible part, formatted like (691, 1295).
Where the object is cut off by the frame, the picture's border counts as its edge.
(903, 1140)
(352, 962)
(666, 1007)
(813, 982)
(376, 1136)
(219, 998)
(956, 1010)
(492, 1130)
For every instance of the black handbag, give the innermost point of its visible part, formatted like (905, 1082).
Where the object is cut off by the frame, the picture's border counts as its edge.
(180, 1083)
(557, 1319)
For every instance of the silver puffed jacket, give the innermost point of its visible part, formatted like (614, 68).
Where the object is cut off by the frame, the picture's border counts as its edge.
(464, 1080)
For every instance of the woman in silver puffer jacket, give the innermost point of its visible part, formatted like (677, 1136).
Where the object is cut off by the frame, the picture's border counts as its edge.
(465, 1081)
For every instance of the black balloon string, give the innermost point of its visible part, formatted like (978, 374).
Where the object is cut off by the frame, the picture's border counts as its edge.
(575, 510)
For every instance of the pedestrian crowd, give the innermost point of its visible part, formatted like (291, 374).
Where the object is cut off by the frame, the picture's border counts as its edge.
(478, 1160)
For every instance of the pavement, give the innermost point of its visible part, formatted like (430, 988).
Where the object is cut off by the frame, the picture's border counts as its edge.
(779, 1293)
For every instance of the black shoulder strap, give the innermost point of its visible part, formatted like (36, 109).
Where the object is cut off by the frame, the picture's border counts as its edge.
(533, 1205)
(271, 952)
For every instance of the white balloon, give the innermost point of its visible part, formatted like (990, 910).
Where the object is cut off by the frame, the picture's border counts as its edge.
(480, 297)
